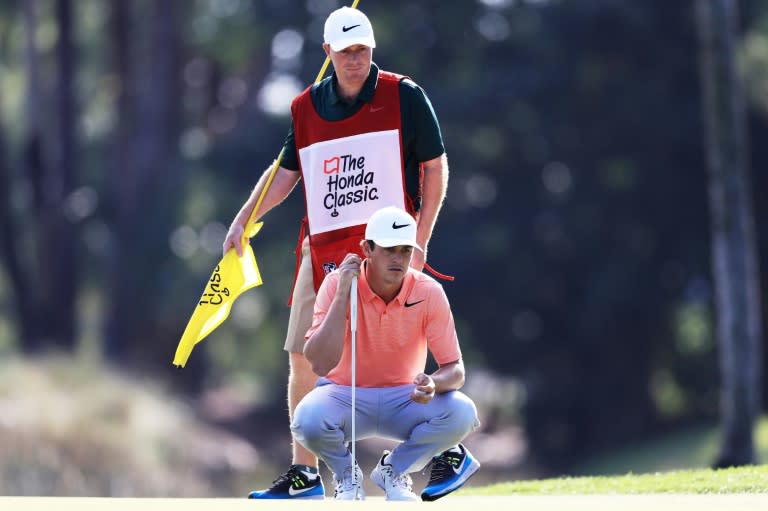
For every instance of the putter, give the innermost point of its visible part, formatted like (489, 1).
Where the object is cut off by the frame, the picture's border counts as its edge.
(353, 328)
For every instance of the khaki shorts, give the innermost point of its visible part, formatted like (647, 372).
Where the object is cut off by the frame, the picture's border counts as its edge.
(302, 303)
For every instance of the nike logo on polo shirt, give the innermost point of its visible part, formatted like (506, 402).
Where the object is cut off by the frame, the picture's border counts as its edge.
(347, 29)
(376, 109)
(395, 226)
(413, 303)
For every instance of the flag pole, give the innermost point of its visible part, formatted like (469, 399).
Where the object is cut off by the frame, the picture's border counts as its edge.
(279, 158)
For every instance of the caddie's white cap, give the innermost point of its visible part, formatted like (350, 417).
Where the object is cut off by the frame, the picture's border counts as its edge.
(345, 27)
(392, 227)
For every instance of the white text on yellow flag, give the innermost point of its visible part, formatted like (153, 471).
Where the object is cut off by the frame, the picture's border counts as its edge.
(230, 278)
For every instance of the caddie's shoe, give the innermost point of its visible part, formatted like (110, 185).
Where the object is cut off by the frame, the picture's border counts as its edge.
(297, 483)
(349, 487)
(396, 487)
(450, 470)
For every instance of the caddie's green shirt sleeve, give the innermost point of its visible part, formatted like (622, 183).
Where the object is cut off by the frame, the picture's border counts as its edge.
(290, 160)
(422, 137)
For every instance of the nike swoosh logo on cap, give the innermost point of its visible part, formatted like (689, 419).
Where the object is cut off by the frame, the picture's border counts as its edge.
(347, 29)
(395, 226)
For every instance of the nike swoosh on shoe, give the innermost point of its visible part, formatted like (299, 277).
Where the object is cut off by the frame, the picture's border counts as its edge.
(457, 470)
(293, 492)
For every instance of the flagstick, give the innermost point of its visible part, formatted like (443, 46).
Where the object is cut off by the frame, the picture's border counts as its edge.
(276, 164)
(353, 322)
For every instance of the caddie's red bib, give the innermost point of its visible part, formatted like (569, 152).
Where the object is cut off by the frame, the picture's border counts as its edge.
(350, 168)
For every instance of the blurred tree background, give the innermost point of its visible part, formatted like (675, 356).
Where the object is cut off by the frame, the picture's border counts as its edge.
(577, 219)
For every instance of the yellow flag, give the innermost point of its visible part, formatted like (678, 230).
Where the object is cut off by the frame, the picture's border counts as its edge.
(230, 278)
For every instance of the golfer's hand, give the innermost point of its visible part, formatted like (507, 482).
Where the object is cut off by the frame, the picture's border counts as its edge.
(234, 240)
(350, 267)
(424, 390)
(418, 259)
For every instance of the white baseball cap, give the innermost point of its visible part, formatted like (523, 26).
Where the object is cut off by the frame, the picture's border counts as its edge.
(345, 27)
(392, 227)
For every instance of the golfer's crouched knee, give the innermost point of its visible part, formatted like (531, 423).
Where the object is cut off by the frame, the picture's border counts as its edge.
(463, 413)
(309, 426)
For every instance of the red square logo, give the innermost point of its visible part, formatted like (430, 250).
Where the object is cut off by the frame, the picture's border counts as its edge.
(331, 166)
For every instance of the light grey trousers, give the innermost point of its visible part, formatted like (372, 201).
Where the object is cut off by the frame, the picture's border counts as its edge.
(322, 423)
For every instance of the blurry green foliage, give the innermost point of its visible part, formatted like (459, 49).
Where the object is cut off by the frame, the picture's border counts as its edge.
(575, 222)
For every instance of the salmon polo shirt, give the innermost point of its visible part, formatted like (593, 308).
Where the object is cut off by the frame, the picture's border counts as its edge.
(392, 339)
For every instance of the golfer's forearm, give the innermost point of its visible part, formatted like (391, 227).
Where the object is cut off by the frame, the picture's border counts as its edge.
(449, 377)
(323, 349)
(282, 185)
(433, 193)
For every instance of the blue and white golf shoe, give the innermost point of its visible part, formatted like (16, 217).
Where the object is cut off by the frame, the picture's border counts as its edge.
(450, 470)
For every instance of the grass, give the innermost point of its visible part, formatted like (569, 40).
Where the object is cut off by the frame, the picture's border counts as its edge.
(689, 448)
(752, 479)
(673, 464)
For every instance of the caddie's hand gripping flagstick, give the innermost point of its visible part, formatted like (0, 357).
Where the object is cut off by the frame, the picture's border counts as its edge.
(353, 328)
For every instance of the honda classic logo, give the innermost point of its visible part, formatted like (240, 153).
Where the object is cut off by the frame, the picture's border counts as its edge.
(347, 179)
(348, 182)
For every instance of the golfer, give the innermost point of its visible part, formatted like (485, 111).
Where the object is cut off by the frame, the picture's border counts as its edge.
(360, 140)
(402, 313)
